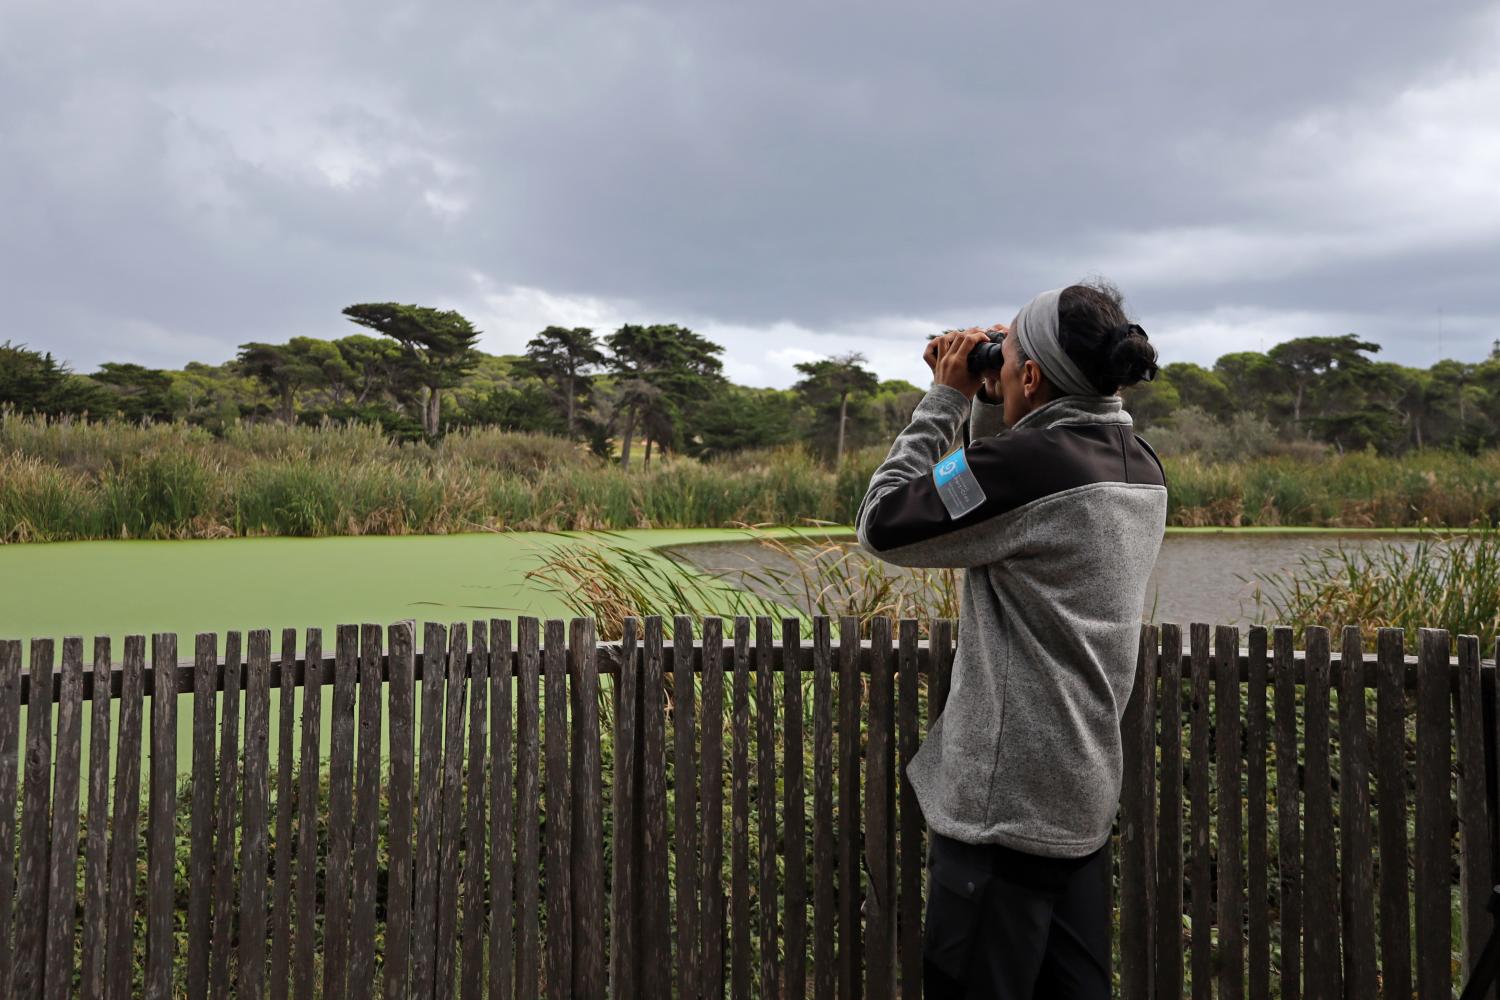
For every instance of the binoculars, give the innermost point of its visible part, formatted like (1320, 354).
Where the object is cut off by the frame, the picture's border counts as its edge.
(986, 357)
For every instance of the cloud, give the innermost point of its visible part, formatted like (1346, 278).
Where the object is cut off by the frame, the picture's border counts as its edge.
(779, 177)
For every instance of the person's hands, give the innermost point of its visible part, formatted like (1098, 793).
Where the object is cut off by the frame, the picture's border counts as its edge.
(948, 354)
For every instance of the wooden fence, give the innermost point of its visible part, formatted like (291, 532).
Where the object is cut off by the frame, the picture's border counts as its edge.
(518, 814)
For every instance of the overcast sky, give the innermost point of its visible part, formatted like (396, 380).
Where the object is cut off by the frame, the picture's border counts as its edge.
(790, 180)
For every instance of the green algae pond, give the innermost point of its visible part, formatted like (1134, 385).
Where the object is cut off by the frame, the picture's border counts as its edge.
(119, 588)
(115, 588)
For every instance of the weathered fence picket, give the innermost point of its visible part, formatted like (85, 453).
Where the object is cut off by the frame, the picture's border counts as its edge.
(796, 819)
(1257, 873)
(588, 820)
(655, 932)
(1200, 880)
(96, 862)
(502, 818)
(1169, 884)
(824, 835)
(739, 854)
(849, 957)
(340, 814)
(305, 946)
(909, 864)
(31, 868)
(1357, 865)
(1391, 715)
(1288, 816)
(226, 814)
(685, 801)
(765, 755)
(471, 965)
(366, 816)
(61, 882)
(1434, 817)
(10, 734)
(398, 930)
(281, 908)
(462, 783)
(712, 877)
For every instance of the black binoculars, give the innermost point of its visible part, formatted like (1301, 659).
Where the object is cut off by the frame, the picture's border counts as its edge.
(986, 357)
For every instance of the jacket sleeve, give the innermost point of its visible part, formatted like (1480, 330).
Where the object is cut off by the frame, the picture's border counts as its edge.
(902, 519)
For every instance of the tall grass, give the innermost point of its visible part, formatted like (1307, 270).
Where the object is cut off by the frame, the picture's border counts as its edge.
(801, 576)
(1444, 580)
(1357, 490)
(610, 582)
(69, 479)
(66, 479)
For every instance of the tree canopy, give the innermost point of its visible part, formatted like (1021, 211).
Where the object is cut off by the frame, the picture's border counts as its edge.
(830, 382)
(438, 347)
(416, 372)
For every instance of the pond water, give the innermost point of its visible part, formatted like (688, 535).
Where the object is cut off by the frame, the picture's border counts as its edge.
(1199, 577)
(117, 587)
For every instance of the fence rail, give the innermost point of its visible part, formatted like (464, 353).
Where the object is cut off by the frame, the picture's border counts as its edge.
(547, 814)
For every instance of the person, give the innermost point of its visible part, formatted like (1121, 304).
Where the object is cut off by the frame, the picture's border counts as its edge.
(1055, 509)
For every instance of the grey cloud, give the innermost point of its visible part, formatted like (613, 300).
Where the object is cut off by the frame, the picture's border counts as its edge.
(740, 164)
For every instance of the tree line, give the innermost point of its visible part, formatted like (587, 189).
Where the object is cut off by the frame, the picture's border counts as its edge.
(653, 387)
(1333, 390)
(418, 374)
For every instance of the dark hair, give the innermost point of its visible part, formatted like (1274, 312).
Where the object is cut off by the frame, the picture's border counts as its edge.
(1111, 351)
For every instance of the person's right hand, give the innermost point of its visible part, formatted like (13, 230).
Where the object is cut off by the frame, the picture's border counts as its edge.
(948, 357)
(935, 345)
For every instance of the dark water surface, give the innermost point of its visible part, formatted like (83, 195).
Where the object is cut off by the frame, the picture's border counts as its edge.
(1198, 577)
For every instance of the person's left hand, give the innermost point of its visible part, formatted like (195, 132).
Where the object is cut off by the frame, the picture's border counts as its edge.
(948, 357)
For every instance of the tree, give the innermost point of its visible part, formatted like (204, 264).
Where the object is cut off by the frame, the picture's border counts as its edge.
(1251, 379)
(836, 378)
(375, 369)
(565, 359)
(32, 382)
(1413, 398)
(212, 396)
(890, 408)
(282, 369)
(735, 418)
(661, 368)
(1200, 387)
(1454, 382)
(1151, 403)
(1320, 364)
(141, 393)
(661, 425)
(438, 348)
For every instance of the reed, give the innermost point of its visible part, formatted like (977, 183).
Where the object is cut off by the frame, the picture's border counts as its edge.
(609, 582)
(1442, 580)
(69, 479)
(801, 575)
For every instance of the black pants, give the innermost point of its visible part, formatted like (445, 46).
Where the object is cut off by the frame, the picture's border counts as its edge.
(1011, 926)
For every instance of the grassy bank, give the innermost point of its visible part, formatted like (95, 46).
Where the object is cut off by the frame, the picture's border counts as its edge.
(1358, 490)
(72, 481)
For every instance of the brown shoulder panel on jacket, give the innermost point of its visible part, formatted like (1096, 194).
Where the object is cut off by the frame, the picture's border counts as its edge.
(1014, 469)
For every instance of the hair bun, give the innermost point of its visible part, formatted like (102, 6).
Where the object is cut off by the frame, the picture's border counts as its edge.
(1132, 358)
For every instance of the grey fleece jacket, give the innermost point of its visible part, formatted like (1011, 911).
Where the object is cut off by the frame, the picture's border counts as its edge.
(1056, 556)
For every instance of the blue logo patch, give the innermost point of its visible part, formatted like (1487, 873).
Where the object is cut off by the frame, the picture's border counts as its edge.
(956, 485)
(953, 465)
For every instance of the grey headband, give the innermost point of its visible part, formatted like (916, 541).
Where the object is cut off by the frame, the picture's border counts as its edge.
(1036, 328)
